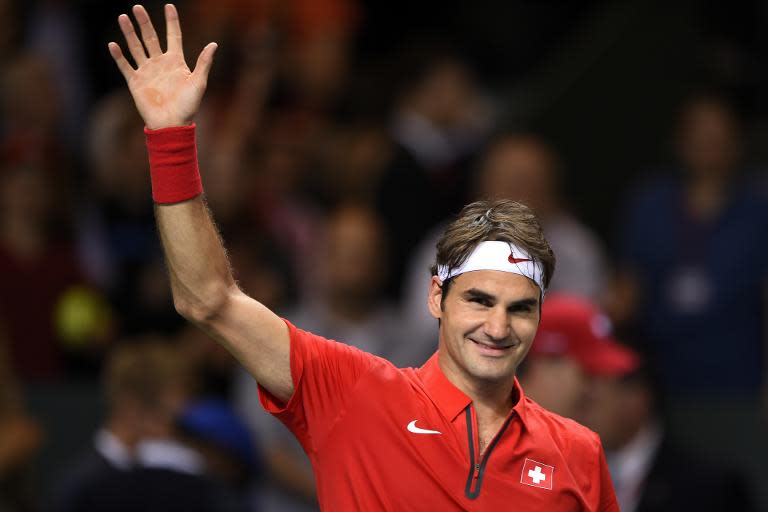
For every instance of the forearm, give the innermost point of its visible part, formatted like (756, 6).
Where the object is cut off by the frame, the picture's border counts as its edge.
(201, 278)
(196, 260)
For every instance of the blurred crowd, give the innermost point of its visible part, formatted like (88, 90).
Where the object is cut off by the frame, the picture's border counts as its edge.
(330, 171)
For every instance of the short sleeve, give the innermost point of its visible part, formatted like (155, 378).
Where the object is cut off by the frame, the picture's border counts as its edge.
(324, 374)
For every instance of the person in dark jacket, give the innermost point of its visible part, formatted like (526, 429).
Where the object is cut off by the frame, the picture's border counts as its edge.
(652, 471)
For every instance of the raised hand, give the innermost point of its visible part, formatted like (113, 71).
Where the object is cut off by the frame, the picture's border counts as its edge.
(165, 91)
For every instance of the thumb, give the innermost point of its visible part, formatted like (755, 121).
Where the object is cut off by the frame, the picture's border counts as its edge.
(203, 65)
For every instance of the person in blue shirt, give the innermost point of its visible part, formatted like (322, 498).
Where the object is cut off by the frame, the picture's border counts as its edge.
(694, 260)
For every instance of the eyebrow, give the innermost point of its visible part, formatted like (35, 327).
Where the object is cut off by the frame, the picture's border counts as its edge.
(474, 293)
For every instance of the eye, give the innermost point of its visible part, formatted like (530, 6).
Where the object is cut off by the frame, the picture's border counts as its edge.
(481, 301)
(521, 308)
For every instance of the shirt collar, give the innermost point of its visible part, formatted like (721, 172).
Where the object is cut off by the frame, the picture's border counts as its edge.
(169, 454)
(113, 449)
(451, 400)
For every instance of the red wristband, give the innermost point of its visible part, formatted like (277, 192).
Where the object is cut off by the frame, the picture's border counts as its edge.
(173, 164)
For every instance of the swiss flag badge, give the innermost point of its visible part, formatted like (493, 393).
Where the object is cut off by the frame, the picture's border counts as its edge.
(537, 474)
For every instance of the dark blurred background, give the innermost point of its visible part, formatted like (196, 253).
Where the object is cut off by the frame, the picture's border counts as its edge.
(336, 138)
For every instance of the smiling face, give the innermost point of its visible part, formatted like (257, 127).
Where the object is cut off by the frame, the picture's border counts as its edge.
(488, 320)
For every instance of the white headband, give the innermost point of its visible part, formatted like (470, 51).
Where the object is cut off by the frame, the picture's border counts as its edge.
(496, 255)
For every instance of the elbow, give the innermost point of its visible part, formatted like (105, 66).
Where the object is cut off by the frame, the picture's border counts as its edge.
(205, 308)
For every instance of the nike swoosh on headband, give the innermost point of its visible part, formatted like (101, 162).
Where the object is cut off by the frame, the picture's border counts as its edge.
(513, 260)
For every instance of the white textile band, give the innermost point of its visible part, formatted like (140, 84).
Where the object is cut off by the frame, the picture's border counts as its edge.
(496, 255)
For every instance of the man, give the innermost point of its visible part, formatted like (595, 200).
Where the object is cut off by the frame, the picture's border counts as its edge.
(523, 167)
(653, 472)
(455, 434)
(147, 385)
(574, 342)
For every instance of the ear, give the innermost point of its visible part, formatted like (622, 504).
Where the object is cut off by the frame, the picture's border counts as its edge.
(435, 297)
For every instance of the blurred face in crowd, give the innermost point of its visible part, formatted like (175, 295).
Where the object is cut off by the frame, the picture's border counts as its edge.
(616, 409)
(318, 66)
(446, 94)
(30, 98)
(354, 249)
(519, 168)
(709, 142)
(488, 320)
(557, 383)
(24, 193)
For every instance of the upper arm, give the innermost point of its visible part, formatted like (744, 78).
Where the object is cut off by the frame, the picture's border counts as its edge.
(258, 338)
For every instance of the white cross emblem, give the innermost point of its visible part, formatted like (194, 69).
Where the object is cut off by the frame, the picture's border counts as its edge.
(536, 475)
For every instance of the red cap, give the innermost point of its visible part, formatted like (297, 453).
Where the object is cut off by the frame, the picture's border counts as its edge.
(574, 327)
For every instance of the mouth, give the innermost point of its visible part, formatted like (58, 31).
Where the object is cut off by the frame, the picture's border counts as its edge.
(491, 349)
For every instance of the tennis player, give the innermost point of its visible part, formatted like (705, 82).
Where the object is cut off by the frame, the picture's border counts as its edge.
(457, 433)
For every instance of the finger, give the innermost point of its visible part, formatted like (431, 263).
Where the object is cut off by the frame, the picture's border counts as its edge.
(122, 63)
(148, 34)
(173, 29)
(134, 45)
(203, 66)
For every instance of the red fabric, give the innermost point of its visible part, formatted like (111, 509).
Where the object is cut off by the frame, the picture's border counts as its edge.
(173, 164)
(351, 412)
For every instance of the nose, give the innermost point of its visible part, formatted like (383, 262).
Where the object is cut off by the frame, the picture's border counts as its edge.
(497, 326)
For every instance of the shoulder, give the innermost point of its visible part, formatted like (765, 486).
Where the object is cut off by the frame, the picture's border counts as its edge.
(565, 433)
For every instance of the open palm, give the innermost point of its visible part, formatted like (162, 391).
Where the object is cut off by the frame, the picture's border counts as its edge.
(165, 91)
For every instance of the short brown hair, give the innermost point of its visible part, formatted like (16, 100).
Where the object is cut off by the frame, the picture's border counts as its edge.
(502, 220)
(144, 369)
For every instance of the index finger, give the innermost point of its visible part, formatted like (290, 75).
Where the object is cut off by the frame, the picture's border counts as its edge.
(172, 27)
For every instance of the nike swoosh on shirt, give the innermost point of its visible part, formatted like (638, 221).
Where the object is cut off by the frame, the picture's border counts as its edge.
(416, 430)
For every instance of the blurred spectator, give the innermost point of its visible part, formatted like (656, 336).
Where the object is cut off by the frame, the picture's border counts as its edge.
(30, 125)
(650, 471)
(573, 343)
(20, 439)
(223, 439)
(279, 201)
(40, 273)
(693, 246)
(55, 31)
(439, 120)
(311, 38)
(118, 240)
(350, 264)
(524, 168)
(137, 461)
(354, 156)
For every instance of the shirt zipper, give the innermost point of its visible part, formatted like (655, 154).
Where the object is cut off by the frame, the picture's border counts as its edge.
(477, 469)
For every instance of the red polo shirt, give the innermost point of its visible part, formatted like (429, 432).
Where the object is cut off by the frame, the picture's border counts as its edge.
(386, 438)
